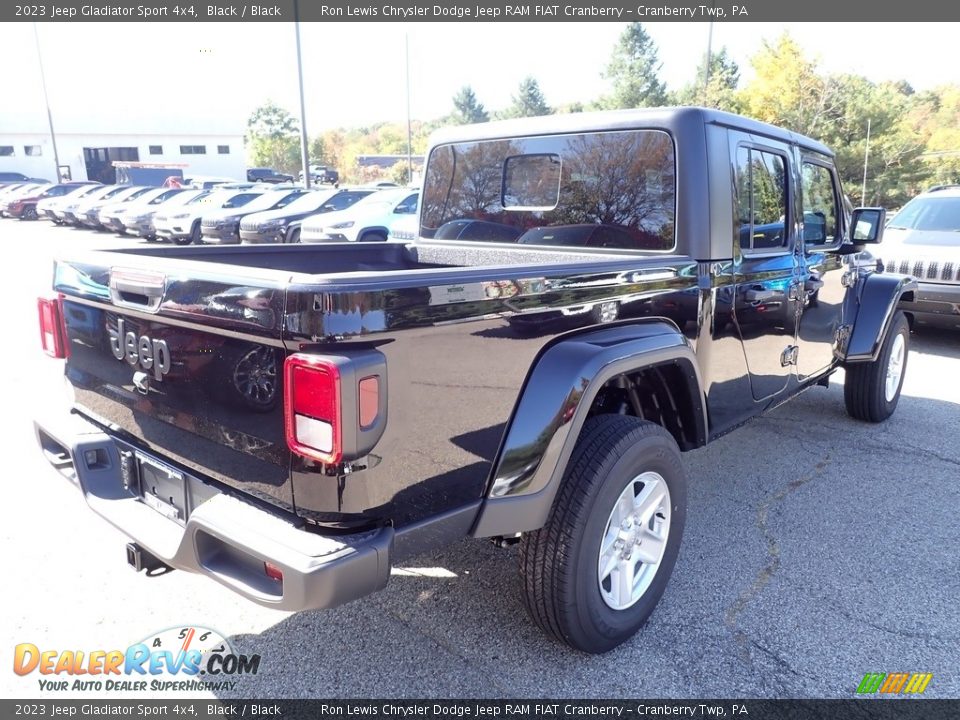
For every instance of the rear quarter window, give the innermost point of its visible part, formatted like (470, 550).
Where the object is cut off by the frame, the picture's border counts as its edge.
(622, 182)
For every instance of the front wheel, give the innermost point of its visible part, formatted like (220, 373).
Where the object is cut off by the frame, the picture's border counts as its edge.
(595, 572)
(871, 391)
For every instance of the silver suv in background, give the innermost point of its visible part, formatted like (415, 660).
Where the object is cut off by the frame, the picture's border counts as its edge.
(923, 240)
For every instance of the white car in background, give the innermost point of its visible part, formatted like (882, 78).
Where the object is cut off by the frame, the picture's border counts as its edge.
(181, 224)
(923, 240)
(46, 208)
(138, 220)
(369, 220)
(112, 216)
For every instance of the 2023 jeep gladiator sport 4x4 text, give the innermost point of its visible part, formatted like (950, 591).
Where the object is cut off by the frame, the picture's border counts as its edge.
(291, 421)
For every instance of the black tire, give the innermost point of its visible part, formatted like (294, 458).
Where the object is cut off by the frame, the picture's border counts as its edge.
(29, 213)
(865, 387)
(373, 237)
(559, 562)
(196, 235)
(294, 236)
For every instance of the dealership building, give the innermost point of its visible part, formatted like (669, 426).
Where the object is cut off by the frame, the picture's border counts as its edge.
(88, 146)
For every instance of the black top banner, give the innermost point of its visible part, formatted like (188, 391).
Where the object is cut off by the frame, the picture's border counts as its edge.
(486, 11)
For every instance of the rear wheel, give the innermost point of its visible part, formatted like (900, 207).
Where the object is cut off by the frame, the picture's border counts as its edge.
(594, 573)
(871, 391)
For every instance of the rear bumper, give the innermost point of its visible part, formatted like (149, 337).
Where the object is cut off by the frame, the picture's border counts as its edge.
(224, 538)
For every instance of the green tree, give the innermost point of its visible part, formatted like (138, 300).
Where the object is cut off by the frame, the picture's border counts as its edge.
(633, 71)
(941, 125)
(466, 109)
(529, 100)
(720, 90)
(273, 138)
(786, 89)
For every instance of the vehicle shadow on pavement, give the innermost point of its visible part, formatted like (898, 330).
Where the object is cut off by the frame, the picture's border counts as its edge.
(936, 341)
(799, 572)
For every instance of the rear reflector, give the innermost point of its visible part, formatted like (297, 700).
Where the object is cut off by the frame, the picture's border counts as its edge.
(52, 329)
(273, 571)
(312, 407)
(369, 391)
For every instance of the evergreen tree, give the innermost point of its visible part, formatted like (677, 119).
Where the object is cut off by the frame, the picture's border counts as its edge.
(466, 108)
(529, 100)
(633, 70)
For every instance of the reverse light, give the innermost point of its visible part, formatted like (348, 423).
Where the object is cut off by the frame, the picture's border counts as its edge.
(53, 331)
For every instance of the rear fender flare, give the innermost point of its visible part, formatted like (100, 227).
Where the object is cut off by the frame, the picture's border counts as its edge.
(553, 406)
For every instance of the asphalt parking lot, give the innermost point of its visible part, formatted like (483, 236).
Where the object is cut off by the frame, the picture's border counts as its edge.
(817, 549)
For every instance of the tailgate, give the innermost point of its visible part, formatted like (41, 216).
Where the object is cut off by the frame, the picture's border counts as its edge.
(186, 366)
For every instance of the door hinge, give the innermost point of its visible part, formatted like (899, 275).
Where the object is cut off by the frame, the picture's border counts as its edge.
(849, 278)
(789, 355)
(842, 338)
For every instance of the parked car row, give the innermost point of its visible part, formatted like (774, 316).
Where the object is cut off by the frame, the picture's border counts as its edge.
(228, 213)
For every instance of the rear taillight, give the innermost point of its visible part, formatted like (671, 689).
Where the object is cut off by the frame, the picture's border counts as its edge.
(312, 407)
(335, 406)
(53, 332)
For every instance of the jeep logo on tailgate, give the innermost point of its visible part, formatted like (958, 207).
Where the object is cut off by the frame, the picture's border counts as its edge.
(143, 351)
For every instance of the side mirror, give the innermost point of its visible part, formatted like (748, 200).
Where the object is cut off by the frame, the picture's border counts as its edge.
(866, 225)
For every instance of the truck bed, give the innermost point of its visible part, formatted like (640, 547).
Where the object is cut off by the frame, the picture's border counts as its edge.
(458, 327)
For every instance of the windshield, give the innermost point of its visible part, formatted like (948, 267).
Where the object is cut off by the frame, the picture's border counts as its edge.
(929, 213)
(265, 201)
(309, 202)
(623, 181)
(239, 200)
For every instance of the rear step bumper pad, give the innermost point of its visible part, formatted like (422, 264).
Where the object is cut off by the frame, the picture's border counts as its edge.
(224, 538)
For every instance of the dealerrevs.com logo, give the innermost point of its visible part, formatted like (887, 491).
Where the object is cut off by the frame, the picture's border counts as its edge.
(179, 659)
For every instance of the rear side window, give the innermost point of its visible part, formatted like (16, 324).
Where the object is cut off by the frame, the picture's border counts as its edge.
(819, 206)
(761, 200)
(563, 186)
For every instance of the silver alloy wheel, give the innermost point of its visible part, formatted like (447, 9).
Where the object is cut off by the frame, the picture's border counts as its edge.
(895, 367)
(634, 540)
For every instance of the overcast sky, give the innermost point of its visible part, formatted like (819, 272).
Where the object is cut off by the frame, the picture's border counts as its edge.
(354, 73)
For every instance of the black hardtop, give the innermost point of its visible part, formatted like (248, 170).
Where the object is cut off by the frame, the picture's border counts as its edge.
(672, 119)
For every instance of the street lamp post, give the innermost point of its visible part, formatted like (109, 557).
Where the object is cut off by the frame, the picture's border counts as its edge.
(304, 150)
(406, 41)
(46, 100)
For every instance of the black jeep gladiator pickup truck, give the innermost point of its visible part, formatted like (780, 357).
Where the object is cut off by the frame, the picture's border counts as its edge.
(292, 421)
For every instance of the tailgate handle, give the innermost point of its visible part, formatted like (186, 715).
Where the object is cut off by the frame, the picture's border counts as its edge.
(138, 289)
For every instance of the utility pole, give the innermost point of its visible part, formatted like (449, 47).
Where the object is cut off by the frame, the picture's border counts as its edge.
(866, 157)
(46, 100)
(304, 150)
(706, 69)
(406, 43)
